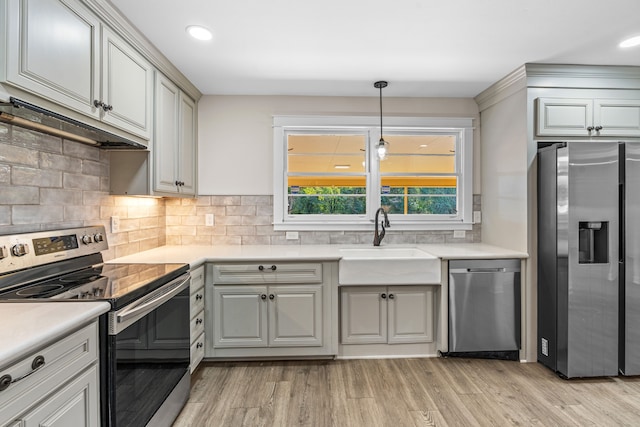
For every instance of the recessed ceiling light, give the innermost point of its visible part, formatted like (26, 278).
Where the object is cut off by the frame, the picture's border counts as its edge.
(198, 32)
(342, 166)
(633, 41)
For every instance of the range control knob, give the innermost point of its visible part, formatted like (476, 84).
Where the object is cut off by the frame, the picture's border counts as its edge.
(98, 237)
(86, 239)
(21, 249)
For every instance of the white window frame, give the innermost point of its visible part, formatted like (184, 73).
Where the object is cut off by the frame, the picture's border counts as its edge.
(459, 126)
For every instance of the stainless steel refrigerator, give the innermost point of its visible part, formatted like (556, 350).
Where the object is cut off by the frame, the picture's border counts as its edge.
(589, 258)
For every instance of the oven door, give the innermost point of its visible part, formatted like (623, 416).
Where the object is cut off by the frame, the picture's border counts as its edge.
(148, 358)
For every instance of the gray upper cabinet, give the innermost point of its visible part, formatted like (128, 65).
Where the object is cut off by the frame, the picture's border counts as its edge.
(60, 51)
(174, 145)
(588, 117)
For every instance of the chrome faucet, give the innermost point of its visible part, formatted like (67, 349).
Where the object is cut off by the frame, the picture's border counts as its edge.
(378, 236)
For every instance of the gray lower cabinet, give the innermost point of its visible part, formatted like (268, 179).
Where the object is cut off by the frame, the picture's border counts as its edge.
(272, 310)
(63, 392)
(386, 314)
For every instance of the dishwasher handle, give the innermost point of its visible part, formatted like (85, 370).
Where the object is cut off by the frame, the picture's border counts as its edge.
(484, 270)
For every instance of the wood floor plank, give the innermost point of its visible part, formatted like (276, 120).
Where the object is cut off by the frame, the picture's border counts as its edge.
(403, 392)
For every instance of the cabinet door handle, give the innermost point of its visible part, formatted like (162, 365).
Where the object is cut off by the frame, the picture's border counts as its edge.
(383, 296)
(271, 296)
(263, 296)
(391, 296)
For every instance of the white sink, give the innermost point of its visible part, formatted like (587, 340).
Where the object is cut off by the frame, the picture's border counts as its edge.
(384, 265)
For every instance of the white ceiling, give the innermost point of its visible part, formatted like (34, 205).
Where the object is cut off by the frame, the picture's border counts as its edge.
(451, 48)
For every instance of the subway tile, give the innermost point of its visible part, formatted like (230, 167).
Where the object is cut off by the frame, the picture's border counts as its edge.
(225, 200)
(80, 182)
(5, 133)
(256, 220)
(203, 201)
(147, 244)
(83, 151)
(193, 220)
(127, 224)
(216, 230)
(18, 155)
(152, 222)
(241, 210)
(281, 240)
(5, 173)
(96, 198)
(173, 240)
(81, 213)
(226, 240)
(188, 201)
(91, 167)
(228, 220)
(180, 210)
(5, 215)
(19, 229)
(105, 183)
(181, 230)
(216, 210)
(21, 175)
(128, 249)
(241, 230)
(59, 162)
(429, 238)
(256, 240)
(343, 239)
(173, 220)
(267, 230)
(19, 195)
(256, 200)
(106, 212)
(37, 141)
(314, 238)
(36, 214)
(196, 240)
(264, 210)
(59, 196)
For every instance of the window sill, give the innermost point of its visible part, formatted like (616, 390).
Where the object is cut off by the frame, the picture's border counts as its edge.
(368, 226)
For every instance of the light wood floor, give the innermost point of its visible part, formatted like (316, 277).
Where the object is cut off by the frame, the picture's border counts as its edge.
(404, 392)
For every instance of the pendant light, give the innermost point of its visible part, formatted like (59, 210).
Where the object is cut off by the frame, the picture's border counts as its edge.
(383, 146)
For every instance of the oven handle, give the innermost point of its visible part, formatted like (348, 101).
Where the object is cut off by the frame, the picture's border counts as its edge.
(132, 313)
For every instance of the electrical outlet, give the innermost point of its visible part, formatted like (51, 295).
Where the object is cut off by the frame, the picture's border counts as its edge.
(208, 220)
(477, 217)
(292, 235)
(115, 224)
(459, 234)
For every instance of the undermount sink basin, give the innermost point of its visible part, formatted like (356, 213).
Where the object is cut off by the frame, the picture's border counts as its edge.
(387, 266)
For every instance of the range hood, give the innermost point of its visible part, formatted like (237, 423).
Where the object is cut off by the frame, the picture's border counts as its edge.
(26, 115)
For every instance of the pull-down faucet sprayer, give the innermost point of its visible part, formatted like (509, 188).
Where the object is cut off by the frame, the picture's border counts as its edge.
(378, 236)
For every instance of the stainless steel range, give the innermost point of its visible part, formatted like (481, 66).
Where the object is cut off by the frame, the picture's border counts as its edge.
(144, 338)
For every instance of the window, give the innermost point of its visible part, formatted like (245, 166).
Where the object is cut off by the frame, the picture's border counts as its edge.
(327, 175)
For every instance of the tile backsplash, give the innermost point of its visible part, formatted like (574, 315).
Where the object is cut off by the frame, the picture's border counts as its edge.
(49, 183)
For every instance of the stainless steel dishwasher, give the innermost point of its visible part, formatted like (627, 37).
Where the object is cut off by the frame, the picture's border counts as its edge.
(484, 308)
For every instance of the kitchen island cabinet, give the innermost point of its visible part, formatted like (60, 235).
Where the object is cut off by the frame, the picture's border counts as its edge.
(57, 343)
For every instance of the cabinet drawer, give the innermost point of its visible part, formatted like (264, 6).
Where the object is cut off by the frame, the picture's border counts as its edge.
(197, 352)
(197, 279)
(196, 302)
(267, 272)
(63, 360)
(197, 325)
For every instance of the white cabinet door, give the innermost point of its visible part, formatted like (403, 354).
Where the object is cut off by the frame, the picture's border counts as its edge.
(53, 51)
(363, 314)
(76, 404)
(617, 117)
(240, 316)
(187, 145)
(165, 141)
(564, 117)
(295, 316)
(127, 86)
(410, 314)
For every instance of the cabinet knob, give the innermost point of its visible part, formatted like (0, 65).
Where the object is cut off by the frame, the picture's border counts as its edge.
(271, 296)
(589, 128)
(391, 296)
(383, 296)
(98, 104)
(199, 345)
(198, 297)
(263, 296)
(106, 107)
(198, 321)
(598, 128)
(272, 268)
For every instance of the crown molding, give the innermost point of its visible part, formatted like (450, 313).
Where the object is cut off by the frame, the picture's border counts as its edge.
(502, 89)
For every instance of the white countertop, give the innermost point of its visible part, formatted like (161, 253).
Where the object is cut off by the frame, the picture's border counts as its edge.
(29, 326)
(196, 255)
